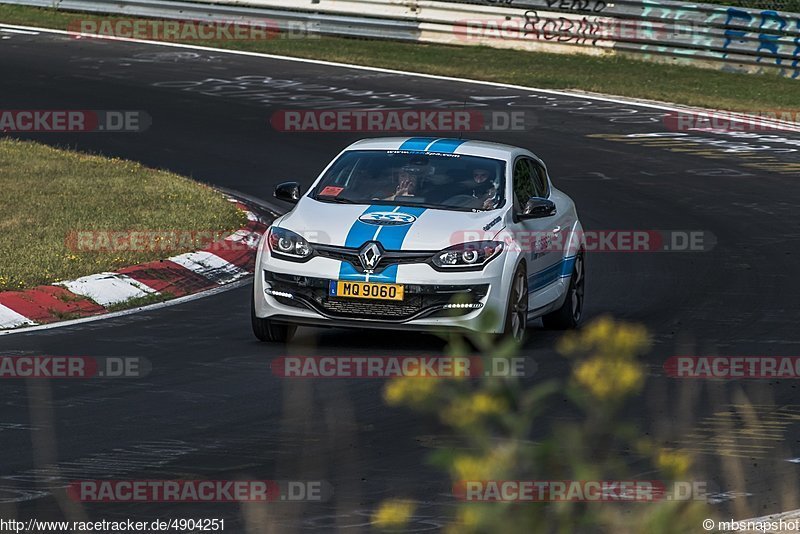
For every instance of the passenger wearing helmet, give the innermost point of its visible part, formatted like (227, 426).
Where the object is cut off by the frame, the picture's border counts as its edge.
(481, 186)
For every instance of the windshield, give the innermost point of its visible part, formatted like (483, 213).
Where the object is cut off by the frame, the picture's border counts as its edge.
(401, 178)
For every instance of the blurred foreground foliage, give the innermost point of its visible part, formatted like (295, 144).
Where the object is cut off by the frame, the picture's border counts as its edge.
(495, 418)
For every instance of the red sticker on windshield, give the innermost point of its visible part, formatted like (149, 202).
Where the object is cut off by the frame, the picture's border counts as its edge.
(331, 191)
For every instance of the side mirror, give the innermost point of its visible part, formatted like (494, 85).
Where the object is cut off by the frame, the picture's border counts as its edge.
(538, 208)
(288, 191)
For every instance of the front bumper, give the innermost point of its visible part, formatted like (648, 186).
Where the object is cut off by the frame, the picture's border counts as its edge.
(296, 293)
(420, 301)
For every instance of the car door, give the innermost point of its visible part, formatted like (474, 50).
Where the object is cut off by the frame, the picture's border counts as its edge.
(535, 236)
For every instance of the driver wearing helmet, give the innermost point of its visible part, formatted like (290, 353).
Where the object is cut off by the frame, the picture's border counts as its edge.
(481, 187)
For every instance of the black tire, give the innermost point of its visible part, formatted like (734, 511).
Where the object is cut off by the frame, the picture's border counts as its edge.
(269, 331)
(570, 313)
(517, 308)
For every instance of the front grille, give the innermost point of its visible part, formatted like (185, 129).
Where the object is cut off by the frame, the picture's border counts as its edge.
(390, 257)
(370, 309)
(419, 301)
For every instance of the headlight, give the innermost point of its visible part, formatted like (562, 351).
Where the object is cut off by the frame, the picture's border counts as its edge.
(288, 245)
(475, 255)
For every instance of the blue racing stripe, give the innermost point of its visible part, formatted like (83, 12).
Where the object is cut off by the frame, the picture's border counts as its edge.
(567, 265)
(446, 146)
(545, 277)
(348, 272)
(417, 143)
(359, 233)
(390, 237)
(386, 276)
(362, 232)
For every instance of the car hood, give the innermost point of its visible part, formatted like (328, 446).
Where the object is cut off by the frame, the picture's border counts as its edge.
(395, 227)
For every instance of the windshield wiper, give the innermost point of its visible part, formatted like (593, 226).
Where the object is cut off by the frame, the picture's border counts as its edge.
(335, 200)
(382, 202)
(429, 206)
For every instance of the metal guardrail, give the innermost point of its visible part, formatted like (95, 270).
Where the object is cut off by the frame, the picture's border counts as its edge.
(705, 35)
(281, 19)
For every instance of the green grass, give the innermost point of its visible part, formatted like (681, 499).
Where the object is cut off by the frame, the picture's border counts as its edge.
(137, 302)
(612, 75)
(47, 193)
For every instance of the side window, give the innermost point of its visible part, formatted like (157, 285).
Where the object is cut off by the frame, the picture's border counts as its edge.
(540, 179)
(523, 183)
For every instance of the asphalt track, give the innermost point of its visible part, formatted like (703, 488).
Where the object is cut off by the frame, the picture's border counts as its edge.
(211, 408)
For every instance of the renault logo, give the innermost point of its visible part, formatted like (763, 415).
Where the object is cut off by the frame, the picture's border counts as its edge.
(370, 256)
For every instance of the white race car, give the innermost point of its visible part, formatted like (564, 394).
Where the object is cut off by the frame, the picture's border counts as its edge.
(422, 234)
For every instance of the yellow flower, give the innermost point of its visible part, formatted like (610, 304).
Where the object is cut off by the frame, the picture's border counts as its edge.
(393, 513)
(493, 466)
(467, 411)
(604, 336)
(409, 390)
(608, 379)
(470, 468)
(675, 463)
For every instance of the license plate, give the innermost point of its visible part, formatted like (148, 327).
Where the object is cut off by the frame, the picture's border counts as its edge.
(366, 290)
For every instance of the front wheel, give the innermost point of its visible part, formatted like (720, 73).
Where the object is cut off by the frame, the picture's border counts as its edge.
(266, 330)
(570, 313)
(517, 308)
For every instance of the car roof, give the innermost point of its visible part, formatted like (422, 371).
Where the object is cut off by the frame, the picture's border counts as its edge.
(444, 145)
